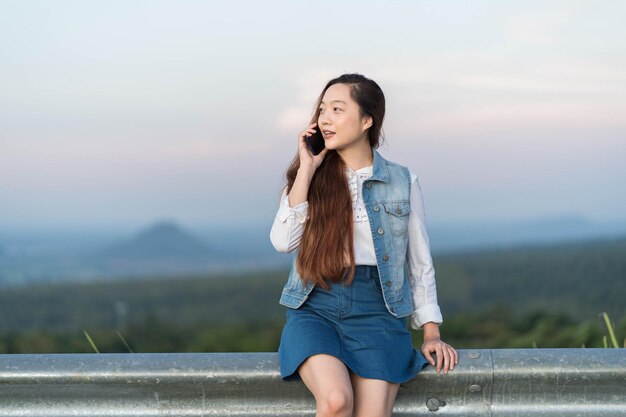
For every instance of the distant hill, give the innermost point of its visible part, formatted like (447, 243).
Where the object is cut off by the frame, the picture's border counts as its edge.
(163, 240)
(451, 237)
(163, 248)
(167, 249)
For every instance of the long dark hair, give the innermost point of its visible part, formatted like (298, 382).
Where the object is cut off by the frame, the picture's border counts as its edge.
(328, 232)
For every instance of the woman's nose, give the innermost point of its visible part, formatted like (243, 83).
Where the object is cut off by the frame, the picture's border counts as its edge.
(322, 119)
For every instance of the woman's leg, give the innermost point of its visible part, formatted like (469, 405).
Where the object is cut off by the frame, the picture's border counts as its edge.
(328, 380)
(373, 397)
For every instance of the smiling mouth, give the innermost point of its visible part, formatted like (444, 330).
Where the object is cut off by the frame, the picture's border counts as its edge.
(328, 134)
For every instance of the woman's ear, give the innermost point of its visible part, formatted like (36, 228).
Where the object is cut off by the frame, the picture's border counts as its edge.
(367, 123)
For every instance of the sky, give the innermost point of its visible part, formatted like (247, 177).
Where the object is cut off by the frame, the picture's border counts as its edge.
(121, 113)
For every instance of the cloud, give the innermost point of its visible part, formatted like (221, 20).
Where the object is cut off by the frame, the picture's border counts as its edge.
(293, 119)
(519, 116)
(540, 27)
(308, 86)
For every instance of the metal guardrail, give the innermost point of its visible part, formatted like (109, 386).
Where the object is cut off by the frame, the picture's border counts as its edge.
(486, 382)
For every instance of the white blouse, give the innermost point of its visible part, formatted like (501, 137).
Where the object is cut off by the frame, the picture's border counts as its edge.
(288, 227)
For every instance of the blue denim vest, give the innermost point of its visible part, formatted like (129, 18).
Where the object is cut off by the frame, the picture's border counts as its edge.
(386, 195)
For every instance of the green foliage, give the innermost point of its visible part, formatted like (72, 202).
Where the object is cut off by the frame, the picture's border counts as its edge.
(495, 327)
(152, 336)
(69, 306)
(579, 279)
(525, 297)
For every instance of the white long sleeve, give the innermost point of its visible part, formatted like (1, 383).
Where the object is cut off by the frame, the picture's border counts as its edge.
(421, 270)
(288, 224)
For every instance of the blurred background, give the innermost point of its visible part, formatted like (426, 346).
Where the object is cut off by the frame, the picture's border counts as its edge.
(143, 146)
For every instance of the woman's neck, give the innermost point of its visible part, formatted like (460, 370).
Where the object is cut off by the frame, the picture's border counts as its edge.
(358, 156)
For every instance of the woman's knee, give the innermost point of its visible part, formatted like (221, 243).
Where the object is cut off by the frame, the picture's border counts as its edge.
(337, 401)
(328, 380)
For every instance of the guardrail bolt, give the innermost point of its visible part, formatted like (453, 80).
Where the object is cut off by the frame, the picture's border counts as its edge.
(474, 388)
(474, 354)
(433, 403)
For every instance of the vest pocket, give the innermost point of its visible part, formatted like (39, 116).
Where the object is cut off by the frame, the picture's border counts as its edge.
(398, 215)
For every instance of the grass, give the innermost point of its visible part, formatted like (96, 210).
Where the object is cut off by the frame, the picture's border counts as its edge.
(611, 329)
(90, 340)
(95, 348)
(609, 325)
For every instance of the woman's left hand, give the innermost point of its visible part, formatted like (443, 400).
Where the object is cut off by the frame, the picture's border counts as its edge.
(446, 354)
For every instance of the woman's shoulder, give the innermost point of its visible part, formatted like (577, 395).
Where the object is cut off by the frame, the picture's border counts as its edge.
(412, 174)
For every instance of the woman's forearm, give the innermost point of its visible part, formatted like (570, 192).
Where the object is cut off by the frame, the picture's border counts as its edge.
(431, 330)
(300, 189)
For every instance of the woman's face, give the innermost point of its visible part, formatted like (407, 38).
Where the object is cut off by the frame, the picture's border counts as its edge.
(340, 114)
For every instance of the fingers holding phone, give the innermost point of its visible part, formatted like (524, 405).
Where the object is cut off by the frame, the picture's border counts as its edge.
(311, 146)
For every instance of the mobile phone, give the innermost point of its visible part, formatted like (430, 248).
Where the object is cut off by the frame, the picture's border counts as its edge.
(315, 142)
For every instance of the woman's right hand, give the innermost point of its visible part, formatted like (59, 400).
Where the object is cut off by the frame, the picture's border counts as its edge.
(307, 159)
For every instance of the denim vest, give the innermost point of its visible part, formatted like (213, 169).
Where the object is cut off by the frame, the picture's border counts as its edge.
(386, 195)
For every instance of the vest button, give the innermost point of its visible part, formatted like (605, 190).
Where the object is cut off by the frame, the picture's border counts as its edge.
(385, 258)
(388, 283)
(380, 231)
(398, 210)
(368, 185)
(376, 208)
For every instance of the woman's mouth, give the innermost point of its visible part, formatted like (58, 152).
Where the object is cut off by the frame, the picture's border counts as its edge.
(328, 134)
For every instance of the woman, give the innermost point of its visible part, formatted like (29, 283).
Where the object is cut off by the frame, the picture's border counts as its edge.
(362, 262)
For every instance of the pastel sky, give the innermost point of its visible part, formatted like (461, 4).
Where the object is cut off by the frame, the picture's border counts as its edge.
(119, 113)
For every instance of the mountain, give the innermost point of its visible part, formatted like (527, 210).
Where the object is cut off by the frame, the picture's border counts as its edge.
(164, 249)
(162, 240)
(463, 236)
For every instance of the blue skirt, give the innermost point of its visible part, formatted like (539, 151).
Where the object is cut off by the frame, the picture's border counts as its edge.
(352, 324)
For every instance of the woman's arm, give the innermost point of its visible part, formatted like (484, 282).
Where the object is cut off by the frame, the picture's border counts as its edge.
(427, 314)
(431, 330)
(421, 270)
(288, 224)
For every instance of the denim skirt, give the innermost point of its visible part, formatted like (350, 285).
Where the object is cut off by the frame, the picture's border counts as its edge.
(352, 324)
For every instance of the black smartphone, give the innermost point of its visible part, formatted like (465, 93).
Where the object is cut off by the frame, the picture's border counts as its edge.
(315, 142)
